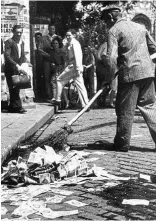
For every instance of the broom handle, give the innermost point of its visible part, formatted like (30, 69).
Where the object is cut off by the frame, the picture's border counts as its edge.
(88, 105)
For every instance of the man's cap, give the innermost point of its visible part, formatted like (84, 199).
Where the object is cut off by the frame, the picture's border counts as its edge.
(109, 8)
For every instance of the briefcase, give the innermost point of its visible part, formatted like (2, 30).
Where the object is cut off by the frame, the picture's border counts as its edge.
(22, 81)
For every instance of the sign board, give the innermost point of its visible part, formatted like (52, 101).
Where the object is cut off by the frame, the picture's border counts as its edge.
(9, 16)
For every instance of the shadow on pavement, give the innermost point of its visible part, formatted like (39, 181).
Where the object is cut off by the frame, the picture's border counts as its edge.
(95, 127)
(143, 149)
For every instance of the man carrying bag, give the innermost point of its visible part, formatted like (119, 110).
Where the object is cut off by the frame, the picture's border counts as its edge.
(14, 57)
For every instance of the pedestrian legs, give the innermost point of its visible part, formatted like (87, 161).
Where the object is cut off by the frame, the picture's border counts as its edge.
(15, 101)
(81, 89)
(126, 102)
(68, 74)
(47, 74)
(140, 92)
(62, 80)
(147, 106)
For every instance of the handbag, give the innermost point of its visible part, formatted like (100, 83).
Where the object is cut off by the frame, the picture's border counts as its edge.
(22, 81)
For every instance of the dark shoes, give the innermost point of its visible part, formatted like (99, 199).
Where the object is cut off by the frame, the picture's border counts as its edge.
(111, 106)
(48, 100)
(17, 110)
(54, 102)
(120, 149)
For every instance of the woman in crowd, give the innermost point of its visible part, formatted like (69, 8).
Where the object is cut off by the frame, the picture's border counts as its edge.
(57, 61)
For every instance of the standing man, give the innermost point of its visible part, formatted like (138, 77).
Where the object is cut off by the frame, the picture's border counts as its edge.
(128, 55)
(73, 70)
(46, 46)
(14, 57)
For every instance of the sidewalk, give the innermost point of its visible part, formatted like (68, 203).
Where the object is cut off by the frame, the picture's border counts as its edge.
(96, 129)
(18, 127)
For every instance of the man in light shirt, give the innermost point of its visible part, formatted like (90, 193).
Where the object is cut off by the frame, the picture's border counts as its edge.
(73, 70)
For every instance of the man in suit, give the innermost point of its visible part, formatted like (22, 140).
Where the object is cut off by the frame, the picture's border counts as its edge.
(128, 55)
(73, 70)
(14, 57)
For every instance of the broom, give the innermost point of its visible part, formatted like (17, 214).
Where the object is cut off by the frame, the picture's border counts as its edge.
(59, 138)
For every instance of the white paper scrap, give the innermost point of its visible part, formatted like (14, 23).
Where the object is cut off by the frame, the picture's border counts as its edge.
(99, 171)
(55, 199)
(63, 192)
(135, 202)
(99, 153)
(48, 213)
(110, 184)
(23, 210)
(145, 177)
(76, 203)
(153, 56)
(83, 153)
(92, 159)
(3, 210)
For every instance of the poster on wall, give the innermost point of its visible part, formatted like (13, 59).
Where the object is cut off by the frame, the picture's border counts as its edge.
(9, 17)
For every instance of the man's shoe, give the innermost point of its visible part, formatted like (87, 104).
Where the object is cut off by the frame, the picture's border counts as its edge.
(120, 149)
(54, 102)
(111, 106)
(17, 110)
(22, 111)
(48, 100)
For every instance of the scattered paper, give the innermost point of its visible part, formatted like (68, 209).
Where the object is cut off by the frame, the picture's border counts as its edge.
(96, 189)
(99, 153)
(55, 199)
(145, 177)
(110, 184)
(42, 189)
(3, 210)
(63, 192)
(44, 178)
(135, 202)
(99, 171)
(74, 180)
(24, 210)
(92, 159)
(76, 203)
(83, 153)
(48, 213)
(153, 56)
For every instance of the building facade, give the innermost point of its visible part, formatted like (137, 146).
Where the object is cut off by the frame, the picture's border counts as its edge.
(25, 12)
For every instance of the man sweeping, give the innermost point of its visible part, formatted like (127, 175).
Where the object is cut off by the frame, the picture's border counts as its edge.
(128, 55)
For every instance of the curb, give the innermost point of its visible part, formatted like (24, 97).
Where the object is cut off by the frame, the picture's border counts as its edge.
(34, 126)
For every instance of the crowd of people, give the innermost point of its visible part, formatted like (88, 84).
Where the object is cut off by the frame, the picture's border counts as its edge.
(65, 62)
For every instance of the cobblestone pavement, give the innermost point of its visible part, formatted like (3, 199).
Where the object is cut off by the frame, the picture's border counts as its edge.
(97, 129)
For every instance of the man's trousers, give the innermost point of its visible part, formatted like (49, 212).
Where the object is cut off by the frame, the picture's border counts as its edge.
(68, 74)
(47, 77)
(130, 95)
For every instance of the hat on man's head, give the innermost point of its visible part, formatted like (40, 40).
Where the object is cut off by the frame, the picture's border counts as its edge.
(108, 9)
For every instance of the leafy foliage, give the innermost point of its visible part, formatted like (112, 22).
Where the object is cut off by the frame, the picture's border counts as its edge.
(93, 28)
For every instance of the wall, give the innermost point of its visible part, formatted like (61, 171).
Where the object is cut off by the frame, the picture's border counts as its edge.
(15, 12)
